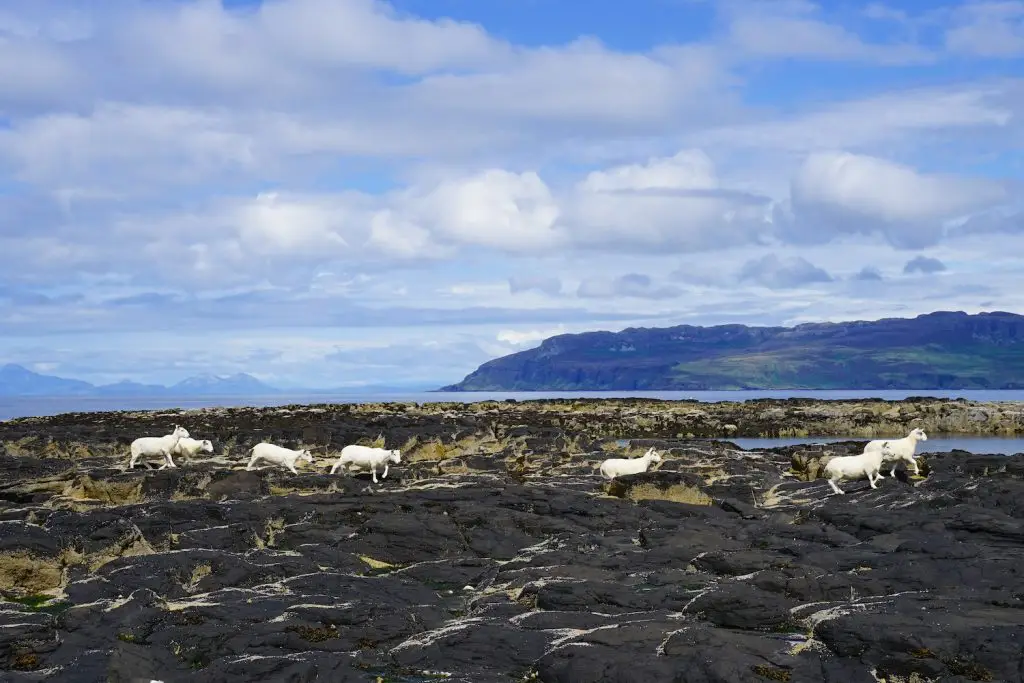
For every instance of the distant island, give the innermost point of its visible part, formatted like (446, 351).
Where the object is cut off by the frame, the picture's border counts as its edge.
(16, 380)
(941, 350)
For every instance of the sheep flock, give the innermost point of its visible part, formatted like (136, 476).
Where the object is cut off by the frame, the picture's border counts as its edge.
(358, 457)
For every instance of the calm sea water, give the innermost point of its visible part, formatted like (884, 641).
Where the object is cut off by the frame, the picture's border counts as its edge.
(935, 444)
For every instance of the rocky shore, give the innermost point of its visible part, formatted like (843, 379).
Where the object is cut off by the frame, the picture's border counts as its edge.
(495, 552)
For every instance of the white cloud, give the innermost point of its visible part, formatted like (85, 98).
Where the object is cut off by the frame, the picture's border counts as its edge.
(125, 147)
(673, 203)
(988, 29)
(925, 265)
(546, 284)
(776, 272)
(836, 192)
(497, 208)
(630, 285)
(583, 83)
(791, 29)
(529, 337)
(875, 122)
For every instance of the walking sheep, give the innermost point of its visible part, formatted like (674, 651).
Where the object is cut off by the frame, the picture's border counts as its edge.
(188, 447)
(901, 449)
(856, 466)
(366, 457)
(162, 446)
(616, 467)
(278, 455)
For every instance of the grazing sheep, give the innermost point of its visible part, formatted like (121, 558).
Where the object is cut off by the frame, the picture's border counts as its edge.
(278, 455)
(157, 445)
(616, 467)
(856, 466)
(366, 457)
(902, 449)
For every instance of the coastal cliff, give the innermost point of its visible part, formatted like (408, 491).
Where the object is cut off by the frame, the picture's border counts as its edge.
(942, 350)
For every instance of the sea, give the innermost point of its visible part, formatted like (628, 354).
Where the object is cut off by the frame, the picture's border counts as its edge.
(29, 406)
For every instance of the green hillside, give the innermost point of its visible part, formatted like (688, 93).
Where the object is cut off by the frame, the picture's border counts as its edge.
(943, 350)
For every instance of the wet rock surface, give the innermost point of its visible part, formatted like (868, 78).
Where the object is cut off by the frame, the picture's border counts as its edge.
(495, 552)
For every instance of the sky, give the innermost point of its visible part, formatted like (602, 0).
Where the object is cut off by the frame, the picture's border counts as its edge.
(336, 193)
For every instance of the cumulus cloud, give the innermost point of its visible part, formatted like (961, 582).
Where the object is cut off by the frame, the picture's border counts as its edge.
(675, 203)
(634, 285)
(925, 265)
(867, 274)
(837, 192)
(775, 272)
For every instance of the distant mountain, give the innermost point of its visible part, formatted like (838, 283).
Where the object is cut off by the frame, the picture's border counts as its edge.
(214, 385)
(942, 350)
(16, 380)
(127, 388)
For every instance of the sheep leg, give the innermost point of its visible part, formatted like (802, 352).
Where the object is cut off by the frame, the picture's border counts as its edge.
(835, 488)
(252, 461)
(913, 461)
(871, 480)
(373, 471)
(385, 475)
(170, 461)
(291, 466)
(334, 468)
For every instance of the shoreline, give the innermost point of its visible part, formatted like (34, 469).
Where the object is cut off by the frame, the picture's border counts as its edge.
(608, 417)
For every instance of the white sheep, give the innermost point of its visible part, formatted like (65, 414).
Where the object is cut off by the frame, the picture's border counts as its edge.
(278, 455)
(189, 448)
(856, 466)
(902, 449)
(157, 445)
(366, 457)
(616, 467)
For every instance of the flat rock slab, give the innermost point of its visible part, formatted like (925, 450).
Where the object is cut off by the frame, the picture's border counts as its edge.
(496, 552)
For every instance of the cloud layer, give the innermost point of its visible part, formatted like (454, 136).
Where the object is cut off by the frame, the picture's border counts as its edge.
(265, 172)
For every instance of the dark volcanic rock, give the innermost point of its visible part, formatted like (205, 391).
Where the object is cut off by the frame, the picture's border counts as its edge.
(494, 552)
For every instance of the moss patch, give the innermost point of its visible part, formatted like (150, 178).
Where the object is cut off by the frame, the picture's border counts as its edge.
(968, 669)
(200, 572)
(316, 634)
(113, 492)
(376, 564)
(25, 661)
(677, 493)
(771, 673)
(23, 575)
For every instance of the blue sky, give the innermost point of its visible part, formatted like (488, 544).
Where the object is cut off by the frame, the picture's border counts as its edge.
(334, 192)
